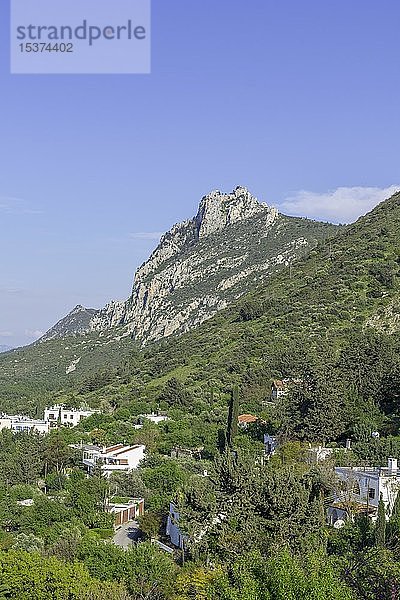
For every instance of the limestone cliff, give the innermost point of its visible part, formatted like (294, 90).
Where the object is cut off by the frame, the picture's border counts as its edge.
(203, 264)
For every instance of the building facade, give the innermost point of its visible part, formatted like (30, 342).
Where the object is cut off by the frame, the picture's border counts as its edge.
(359, 490)
(280, 387)
(124, 513)
(18, 423)
(113, 458)
(271, 444)
(58, 415)
(173, 532)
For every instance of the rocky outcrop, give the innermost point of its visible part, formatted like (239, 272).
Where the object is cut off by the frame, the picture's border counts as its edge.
(201, 266)
(77, 322)
(110, 316)
(217, 210)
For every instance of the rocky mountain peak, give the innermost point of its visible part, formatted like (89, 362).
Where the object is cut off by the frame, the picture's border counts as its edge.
(75, 323)
(199, 267)
(217, 210)
(78, 308)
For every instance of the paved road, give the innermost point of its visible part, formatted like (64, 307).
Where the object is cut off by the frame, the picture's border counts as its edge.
(126, 535)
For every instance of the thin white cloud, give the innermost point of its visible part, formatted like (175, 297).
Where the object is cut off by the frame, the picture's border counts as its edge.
(10, 291)
(16, 206)
(343, 205)
(146, 235)
(6, 334)
(34, 333)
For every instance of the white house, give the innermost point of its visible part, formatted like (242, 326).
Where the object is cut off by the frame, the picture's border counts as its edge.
(58, 415)
(19, 423)
(114, 458)
(320, 453)
(360, 488)
(278, 389)
(155, 418)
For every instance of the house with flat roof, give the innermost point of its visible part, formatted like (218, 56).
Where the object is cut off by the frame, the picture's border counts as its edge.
(69, 417)
(18, 423)
(119, 457)
(155, 418)
(359, 490)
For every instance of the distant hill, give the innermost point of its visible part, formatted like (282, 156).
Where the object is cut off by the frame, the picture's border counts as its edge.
(349, 284)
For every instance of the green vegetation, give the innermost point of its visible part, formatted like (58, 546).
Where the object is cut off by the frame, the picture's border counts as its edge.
(256, 529)
(109, 356)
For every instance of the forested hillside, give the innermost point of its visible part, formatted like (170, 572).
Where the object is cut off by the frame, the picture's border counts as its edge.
(255, 525)
(343, 287)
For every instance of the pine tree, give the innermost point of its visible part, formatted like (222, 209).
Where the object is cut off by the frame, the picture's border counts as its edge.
(380, 525)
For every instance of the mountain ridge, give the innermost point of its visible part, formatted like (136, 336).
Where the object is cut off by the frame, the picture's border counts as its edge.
(75, 322)
(226, 243)
(328, 295)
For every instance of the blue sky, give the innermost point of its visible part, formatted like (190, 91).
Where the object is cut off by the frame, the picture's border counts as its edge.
(299, 101)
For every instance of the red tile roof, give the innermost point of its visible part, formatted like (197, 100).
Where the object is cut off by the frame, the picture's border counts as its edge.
(247, 419)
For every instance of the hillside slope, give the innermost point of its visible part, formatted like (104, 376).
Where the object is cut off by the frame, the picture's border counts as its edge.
(348, 284)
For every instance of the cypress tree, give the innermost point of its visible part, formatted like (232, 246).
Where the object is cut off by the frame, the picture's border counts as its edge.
(380, 525)
(393, 527)
(396, 509)
(211, 394)
(233, 415)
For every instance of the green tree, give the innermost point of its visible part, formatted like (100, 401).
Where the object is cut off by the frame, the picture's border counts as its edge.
(380, 525)
(56, 453)
(150, 524)
(233, 415)
(174, 394)
(29, 575)
(163, 481)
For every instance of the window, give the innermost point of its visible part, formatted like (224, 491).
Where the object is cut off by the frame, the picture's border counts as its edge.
(71, 417)
(371, 493)
(51, 416)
